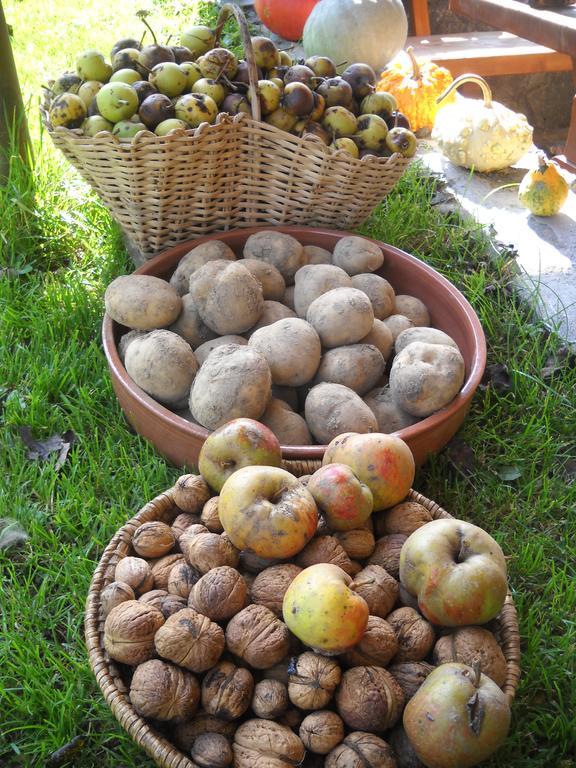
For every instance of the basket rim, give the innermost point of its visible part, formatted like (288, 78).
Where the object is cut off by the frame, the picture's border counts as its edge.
(160, 749)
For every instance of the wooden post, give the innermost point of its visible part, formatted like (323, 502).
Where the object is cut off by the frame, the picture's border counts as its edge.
(12, 114)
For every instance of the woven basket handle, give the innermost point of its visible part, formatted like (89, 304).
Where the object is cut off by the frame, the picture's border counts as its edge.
(223, 17)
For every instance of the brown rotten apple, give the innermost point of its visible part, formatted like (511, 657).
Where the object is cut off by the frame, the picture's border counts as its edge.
(456, 570)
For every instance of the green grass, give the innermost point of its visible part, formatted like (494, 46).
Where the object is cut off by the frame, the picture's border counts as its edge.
(59, 250)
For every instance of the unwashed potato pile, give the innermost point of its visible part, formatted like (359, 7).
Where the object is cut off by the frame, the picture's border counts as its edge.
(294, 336)
(209, 662)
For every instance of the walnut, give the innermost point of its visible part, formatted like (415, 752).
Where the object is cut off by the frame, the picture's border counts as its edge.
(387, 553)
(129, 632)
(470, 644)
(270, 585)
(377, 647)
(312, 680)
(410, 675)
(190, 640)
(135, 572)
(406, 756)
(205, 550)
(257, 636)
(361, 750)
(406, 599)
(270, 699)
(211, 750)
(182, 521)
(404, 518)
(378, 588)
(264, 742)
(358, 543)
(369, 699)
(161, 569)
(190, 493)
(171, 604)
(153, 539)
(210, 517)
(279, 671)
(415, 635)
(219, 594)
(185, 734)
(181, 579)
(115, 593)
(161, 691)
(255, 564)
(324, 549)
(321, 731)
(227, 691)
(154, 598)
(355, 567)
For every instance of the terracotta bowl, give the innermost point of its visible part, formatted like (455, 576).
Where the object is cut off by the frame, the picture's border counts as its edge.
(180, 441)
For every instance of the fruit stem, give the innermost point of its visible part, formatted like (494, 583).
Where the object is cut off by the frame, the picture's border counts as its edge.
(142, 16)
(469, 78)
(477, 672)
(416, 71)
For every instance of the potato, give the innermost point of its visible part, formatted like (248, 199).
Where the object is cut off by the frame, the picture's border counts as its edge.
(277, 248)
(313, 254)
(425, 377)
(289, 427)
(341, 316)
(233, 382)
(212, 250)
(204, 350)
(396, 324)
(421, 333)
(229, 299)
(357, 255)
(126, 340)
(190, 325)
(332, 409)
(379, 291)
(381, 337)
(142, 302)
(163, 365)
(272, 282)
(292, 349)
(288, 297)
(390, 416)
(288, 394)
(413, 309)
(272, 312)
(357, 366)
(313, 280)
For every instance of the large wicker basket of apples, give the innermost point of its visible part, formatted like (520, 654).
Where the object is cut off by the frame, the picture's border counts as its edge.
(249, 617)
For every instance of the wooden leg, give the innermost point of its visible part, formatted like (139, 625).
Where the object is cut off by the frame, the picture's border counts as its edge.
(568, 159)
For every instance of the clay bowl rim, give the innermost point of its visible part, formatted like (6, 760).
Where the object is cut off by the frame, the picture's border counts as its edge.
(162, 263)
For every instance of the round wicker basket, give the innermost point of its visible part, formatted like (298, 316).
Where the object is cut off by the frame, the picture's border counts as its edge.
(109, 677)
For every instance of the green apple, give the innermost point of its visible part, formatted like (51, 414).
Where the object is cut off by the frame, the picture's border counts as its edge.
(129, 76)
(168, 78)
(94, 124)
(117, 101)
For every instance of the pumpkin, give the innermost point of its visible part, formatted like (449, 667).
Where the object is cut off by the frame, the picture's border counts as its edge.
(348, 31)
(543, 190)
(416, 86)
(480, 133)
(284, 19)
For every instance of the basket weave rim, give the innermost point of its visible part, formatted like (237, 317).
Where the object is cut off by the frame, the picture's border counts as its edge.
(162, 751)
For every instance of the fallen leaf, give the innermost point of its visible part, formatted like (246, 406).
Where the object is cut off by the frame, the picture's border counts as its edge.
(497, 376)
(41, 449)
(508, 473)
(67, 753)
(555, 364)
(461, 456)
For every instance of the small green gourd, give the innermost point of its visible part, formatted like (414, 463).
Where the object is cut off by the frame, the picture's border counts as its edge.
(543, 190)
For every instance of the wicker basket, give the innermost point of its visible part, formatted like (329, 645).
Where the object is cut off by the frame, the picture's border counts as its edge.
(239, 172)
(109, 676)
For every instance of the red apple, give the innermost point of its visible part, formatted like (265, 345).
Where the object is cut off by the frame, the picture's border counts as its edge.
(456, 570)
(238, 443)
(345, 501)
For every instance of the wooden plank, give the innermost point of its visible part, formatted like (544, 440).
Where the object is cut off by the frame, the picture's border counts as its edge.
(420, 17)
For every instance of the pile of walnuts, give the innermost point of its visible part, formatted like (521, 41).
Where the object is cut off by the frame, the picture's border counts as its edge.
(197, 627)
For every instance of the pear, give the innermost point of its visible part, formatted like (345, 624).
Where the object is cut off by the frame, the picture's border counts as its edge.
(282, 119)
(217, 62)
(126, 42)
(67, 110)
(173, 124)
(156, 108)
(182, 54)
(126, 129)
(322, 66)
(371, 132)
(315, 129)
(88, 90)
(198, 39)
(269, 95)
(348, 145)
(153, 54)
(299, 73)
(211, 88)
(117, 101)
(144, 89)
(192, 71)
(401, 140)
(235, 103)
(95, 124)
(285, 59)
(266, 54)
(336, 91)
(339, 121)
(361, 78)
(127, 58)
(379, 103)
(298, 99)
(196, 108)
(91, 65)
(129, 76)
(168, 78)
(319, 107)
(69, 82)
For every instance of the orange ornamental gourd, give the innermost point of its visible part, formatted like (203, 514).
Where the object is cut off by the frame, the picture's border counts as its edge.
(284, 19)
(416, 85)
(543, 190)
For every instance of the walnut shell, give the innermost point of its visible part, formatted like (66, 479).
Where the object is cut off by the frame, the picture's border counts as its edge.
(406, 756)
(153, 539)
(181, 579)
(165, 602)
(369, 699)
(321, 731)
(227, 691)
(324, 549)
(161, 569)
(135, 572)
(410, 675)
(190, 493)
(185, 734)
(115, 593)
(182, 521)
(254, 564)
(469, 644)
(415, 635)
(406, 599)
(361, 750)
(387, 553)
(359, 543)
(190, 640)
(266, 743)
(258, 637)
(270, 699)
(219, 594)
(210, 517)
(205, 550)
(378, 588)
(270, 585)
(312, 680)
(211, 750)
(377, 647)
(154, 598)
(129, 632)
(404, 518)
(279, 671)
(162, 691)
